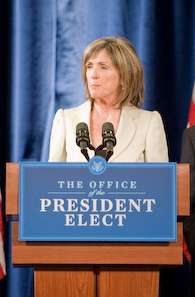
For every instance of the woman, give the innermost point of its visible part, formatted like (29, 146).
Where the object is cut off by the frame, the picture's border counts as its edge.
(113, 79)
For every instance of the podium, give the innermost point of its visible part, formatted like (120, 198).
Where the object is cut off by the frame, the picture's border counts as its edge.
(96, 269)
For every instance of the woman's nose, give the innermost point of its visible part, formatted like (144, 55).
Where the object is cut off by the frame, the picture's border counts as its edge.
(94, 73)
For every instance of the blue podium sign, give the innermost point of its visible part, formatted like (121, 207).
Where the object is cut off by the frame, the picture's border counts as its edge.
(98, 201)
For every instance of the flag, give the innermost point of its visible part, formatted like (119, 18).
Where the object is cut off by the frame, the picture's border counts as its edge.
(191, 122)
(191, 114)
(186, 252)
(2, 256)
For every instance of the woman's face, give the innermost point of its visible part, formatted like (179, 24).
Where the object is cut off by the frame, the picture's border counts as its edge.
(103, 78)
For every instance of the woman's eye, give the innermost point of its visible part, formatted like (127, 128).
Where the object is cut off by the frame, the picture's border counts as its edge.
(89, 66)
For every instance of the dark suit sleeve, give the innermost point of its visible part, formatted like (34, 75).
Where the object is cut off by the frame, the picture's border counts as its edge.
(188, 156)
(187, 150)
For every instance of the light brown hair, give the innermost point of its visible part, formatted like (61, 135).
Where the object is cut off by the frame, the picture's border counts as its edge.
(125, 59)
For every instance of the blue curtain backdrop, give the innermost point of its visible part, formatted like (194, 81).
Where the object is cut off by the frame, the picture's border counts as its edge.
(45, 40)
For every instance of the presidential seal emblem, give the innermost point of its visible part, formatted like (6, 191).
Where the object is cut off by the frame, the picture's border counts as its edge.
(97, 165)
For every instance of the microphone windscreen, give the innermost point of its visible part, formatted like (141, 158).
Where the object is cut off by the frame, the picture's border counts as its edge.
(107, 127)
(82, 135)
(81, 126)
(108, 135)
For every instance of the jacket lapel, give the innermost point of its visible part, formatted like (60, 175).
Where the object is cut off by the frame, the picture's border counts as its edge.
(82, 114)
(125, 131)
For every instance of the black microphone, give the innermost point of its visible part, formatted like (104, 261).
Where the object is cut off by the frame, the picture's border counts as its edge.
(108, 138)
(82, 138)
(82, 135)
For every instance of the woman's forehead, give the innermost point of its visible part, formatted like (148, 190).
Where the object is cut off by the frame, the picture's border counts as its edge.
(101, 54)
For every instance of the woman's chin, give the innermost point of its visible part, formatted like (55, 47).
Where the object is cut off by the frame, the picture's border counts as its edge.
(94, 95)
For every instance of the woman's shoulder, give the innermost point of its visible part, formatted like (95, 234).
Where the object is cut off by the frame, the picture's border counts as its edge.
(72, 110)
(143, 113)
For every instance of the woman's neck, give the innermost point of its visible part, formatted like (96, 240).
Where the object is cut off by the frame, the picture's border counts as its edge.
(101, 105)
(100, 114)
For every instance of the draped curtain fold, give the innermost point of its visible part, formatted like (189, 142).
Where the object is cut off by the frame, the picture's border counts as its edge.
(46, 41)
(32, 76)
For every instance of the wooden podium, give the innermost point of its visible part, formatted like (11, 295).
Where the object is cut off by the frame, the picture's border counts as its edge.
(96, 269)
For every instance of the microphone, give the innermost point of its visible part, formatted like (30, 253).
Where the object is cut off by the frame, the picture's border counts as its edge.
(82, 135)
(108, 138)
(82, 138)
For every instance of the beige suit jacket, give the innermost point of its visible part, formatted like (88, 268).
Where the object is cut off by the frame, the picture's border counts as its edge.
(140, 136)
